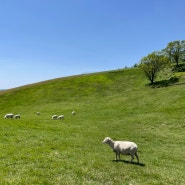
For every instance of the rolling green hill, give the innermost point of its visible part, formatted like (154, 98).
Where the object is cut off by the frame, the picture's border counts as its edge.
(118, 104)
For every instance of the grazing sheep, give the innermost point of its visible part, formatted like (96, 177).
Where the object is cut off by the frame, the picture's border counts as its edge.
(73, 112)
(17, 116)
(9, 116)
(54, 117)
(38, 113)
(60, 117)
(122, 147)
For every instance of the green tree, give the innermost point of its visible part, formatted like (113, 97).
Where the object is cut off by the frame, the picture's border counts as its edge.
(152, 64)
(175, 51)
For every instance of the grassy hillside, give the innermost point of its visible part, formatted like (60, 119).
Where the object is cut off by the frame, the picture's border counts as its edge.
(118, 104)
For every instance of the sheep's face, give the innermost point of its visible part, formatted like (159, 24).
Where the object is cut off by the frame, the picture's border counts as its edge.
(106, 140)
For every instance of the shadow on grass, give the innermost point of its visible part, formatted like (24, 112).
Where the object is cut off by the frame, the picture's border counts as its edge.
(165, 83)
(128, 162)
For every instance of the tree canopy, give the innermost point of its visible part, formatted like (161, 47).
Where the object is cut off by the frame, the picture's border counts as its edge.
(152, 64)
(175, 50)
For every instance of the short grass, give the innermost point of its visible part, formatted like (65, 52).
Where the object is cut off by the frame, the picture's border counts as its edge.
(119, 104)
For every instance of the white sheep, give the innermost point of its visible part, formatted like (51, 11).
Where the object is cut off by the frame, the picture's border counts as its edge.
(122, 147)
(73, 112)
(60, 117)
(54, 117)
(9, 116)
(17, 116)
(38, 113)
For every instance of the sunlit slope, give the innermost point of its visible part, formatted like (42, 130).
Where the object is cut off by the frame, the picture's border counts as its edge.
(75, 89)
(119, 104)
(119, 90)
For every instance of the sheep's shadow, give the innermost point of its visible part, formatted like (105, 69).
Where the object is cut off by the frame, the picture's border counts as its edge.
(128, 162)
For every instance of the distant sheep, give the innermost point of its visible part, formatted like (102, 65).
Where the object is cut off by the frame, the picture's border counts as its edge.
(73, 113)
(122, 147)
(54, 117)
(17, 116)
(60, 117)
(9, 116)
(38, 113)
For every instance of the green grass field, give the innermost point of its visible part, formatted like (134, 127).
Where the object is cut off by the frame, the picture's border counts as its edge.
(38, 150)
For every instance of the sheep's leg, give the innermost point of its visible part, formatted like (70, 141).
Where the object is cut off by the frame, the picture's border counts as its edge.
(137, 157)
(117, 156)
(132, 158)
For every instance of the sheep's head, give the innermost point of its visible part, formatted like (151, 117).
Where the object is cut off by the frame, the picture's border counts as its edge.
(106, 140)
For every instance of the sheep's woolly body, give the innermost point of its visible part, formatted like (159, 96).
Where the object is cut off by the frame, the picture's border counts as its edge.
(60, 117)
(17, 116)
(125, 147)
(54, 117)
(9, 116)
(122, 147)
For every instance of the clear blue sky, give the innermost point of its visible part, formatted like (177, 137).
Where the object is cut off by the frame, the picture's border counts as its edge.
(46, 39)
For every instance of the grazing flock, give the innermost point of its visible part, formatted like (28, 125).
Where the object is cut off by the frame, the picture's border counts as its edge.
(119, 147)
(18, 116)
